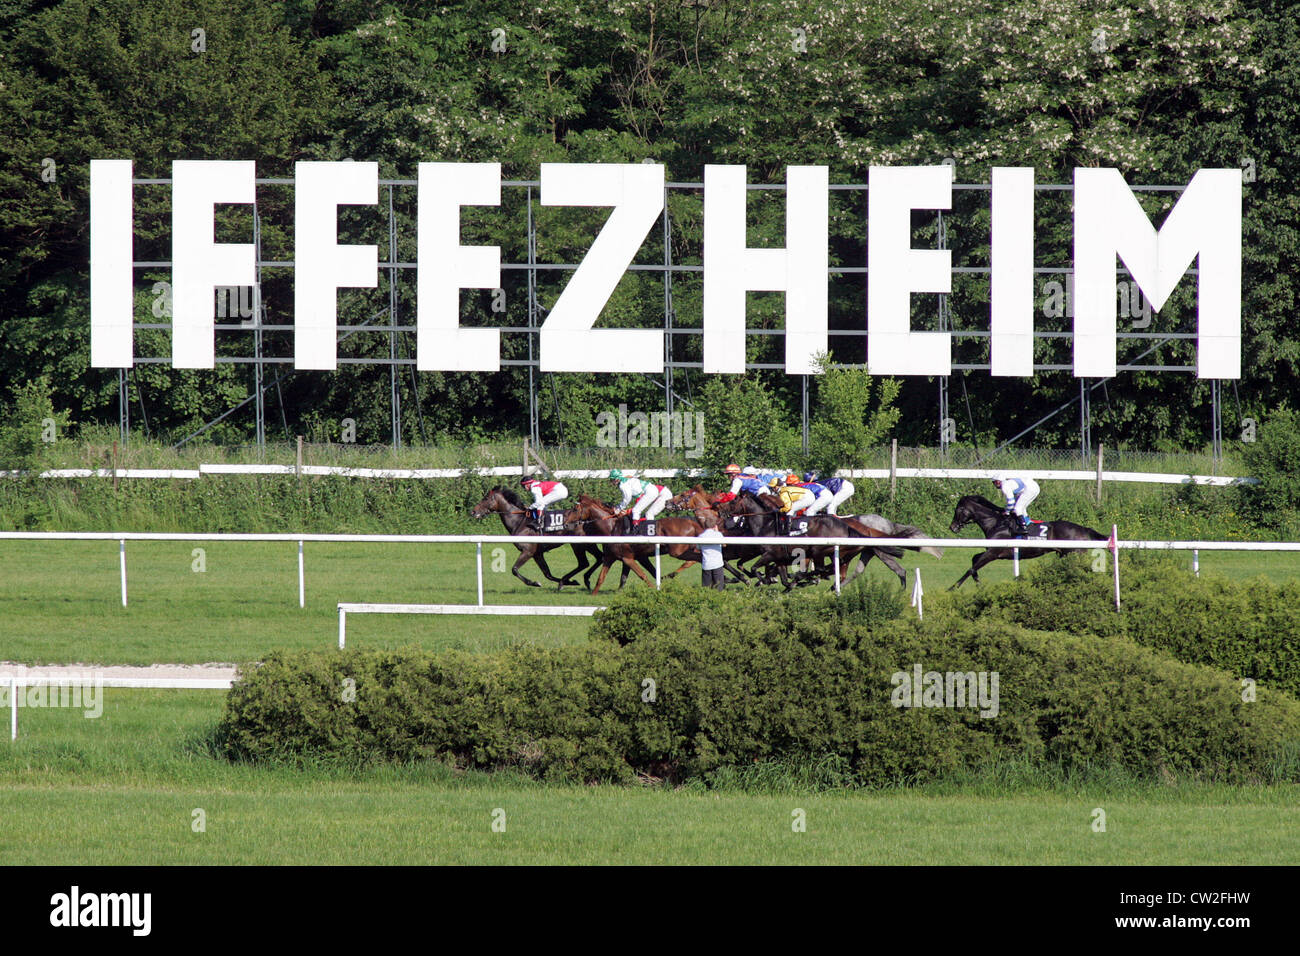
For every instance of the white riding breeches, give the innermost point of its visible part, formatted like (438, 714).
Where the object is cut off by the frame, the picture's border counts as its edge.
(651, 503)
(1025, 499)
(557, 493)
(841, 496)
(801, 504)
(823, 501)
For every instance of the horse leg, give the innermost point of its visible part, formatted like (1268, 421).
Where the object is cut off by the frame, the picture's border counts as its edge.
(579, 552)
(606, 564)
(524, 557)
(541, 563)
(977, 562)
(630, 562)
(894, 566)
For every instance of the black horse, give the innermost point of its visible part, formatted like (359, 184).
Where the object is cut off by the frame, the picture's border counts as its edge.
(995, 524)
(761, 522)
(515, 516)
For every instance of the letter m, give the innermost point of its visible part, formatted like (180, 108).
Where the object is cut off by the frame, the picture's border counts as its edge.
(961, 688)
(1204, 223)
(118, 905)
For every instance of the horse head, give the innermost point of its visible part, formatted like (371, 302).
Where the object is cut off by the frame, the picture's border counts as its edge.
(492, 501)
(963, 515)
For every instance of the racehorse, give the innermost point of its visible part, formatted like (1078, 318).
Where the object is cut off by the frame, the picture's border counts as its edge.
(604, 520)
(573, 524)
(995, 524)
(761, 518)
(515, 516)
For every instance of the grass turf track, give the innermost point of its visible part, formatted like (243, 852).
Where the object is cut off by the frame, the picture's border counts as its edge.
(123, 788)
(60, 600)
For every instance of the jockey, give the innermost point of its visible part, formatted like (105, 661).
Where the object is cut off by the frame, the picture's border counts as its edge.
(737, 479)
(748, 481)
(1020, 494)
(794, 500)
(824, 496)
(841, 490)
(544, 493)
(650, 498)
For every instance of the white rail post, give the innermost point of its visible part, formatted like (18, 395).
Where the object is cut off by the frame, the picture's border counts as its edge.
(13, 706)
(302, 584)
(343, 626)
(917, 594)
(1114, 560)
(1015, 561)
(837, 569)
(122, 554)
(657, 578)
(1196, 561)
(478, 546)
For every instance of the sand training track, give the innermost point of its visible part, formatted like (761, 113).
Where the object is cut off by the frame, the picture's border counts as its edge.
(160, 671)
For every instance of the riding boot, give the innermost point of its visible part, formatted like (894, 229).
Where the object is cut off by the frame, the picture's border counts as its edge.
(1024, 524)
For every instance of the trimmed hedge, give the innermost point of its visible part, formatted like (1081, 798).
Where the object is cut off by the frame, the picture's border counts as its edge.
(740, 682)
(1247, 628)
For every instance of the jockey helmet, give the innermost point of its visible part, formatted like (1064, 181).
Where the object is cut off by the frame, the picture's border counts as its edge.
(732, 470)
(525, 481)
(616, 475)
(774, 482)
(792, 479)
(810, 476)
(749, 470)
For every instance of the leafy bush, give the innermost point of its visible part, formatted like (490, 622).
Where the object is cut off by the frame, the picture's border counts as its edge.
(1244, 628)
(1275, 460)
(742, 682)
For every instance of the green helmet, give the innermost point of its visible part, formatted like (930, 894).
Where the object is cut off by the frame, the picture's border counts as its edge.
(616, 475)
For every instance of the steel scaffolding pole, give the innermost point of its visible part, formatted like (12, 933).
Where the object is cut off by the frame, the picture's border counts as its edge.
(260, 405)
(394, 391)
(534, 429)
(1085, 421)
(668, 313)
(946, 429)
(123, 408)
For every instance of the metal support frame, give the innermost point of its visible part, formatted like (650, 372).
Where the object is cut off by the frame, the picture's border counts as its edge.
(398, 356)
(945, 323)
(668, 312)
(534, 309)
(259, 389)
(394, 390)
(123, 408)
(1216, 420)
(1085, 420)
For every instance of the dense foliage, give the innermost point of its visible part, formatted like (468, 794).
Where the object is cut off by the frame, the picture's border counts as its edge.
(1155, 89)
(711, 681)
(1246, 628)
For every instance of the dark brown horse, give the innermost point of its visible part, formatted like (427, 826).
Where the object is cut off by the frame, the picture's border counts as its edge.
(995, 524)
(601, 519)
(515, 516)
(761, 519)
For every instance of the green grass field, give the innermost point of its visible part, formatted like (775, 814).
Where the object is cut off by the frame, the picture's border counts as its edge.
(60, 600)
(124, 788)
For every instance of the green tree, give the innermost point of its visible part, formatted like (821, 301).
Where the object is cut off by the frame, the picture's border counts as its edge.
(743, 424)
(846, 422)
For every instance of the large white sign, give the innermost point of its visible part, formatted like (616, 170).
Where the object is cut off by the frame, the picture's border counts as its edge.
(1204, 227)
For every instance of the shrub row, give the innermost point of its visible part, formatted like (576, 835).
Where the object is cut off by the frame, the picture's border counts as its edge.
(1247, 628)
(720, 683)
